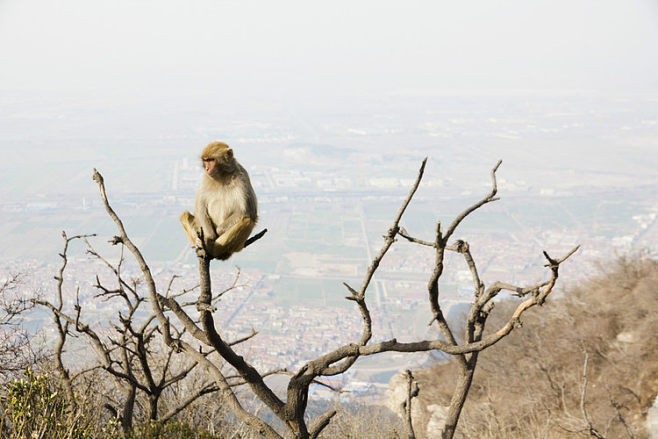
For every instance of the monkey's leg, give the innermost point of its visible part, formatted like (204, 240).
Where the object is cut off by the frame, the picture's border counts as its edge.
(233, 239)
(189, 224)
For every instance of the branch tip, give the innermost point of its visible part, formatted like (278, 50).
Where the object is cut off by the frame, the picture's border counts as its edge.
(97, 177)
(351, 290)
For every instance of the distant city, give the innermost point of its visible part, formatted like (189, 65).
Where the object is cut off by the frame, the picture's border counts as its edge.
(577, 169)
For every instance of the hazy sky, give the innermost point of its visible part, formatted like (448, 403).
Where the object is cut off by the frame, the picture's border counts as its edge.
(283, 49)
(132, 86)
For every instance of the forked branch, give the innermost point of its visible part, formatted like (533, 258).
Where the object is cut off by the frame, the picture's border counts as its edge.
(292, 412)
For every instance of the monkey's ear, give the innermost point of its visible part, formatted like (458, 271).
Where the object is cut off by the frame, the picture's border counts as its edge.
(229, 153)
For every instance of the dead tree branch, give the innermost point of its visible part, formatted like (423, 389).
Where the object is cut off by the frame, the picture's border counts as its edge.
(583, 424)
(292, 411)
(176, 343)
(412, 392)
(15, 349)
(128, 353)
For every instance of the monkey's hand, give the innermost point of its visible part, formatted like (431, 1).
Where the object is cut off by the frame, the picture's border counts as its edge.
(200, 244)
(207, 241)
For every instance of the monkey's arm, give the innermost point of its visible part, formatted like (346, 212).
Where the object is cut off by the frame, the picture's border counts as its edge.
(200, 221)
(204, 221)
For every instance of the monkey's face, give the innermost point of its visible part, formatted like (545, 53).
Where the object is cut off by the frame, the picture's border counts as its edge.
(217, 159)
(209, 164)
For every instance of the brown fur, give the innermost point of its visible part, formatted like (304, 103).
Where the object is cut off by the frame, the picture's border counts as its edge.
(225, 207)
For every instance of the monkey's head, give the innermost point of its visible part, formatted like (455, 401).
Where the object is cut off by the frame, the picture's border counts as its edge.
(217, 159)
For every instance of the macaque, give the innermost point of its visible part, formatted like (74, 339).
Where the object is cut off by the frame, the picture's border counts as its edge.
(225, 207)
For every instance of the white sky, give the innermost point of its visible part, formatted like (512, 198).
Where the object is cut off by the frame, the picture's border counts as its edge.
(288, 48)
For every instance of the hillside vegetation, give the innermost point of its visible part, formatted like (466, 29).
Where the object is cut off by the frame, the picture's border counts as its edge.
(585, 365)
(588, 367)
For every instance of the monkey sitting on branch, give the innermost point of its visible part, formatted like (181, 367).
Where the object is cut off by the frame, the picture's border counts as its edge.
(225, 206)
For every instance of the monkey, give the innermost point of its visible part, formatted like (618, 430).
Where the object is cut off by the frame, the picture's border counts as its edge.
(225, 209)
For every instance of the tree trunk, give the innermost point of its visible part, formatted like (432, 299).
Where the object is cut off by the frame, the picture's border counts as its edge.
(153, 407)
(459, 396)
(127, 412)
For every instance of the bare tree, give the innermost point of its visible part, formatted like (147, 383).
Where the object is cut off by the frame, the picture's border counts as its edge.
(609, 315)
(582, 423)
(15, 351)
(292, 411)
(128, 350)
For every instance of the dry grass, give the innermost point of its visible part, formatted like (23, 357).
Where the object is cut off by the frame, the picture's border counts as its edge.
(530, 385)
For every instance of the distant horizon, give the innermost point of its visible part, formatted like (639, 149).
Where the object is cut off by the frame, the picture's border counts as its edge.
(293, 49)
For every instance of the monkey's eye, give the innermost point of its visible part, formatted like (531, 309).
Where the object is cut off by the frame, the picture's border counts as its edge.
(208, 160)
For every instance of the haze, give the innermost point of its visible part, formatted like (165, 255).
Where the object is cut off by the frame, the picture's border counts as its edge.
(284, 50)
(340, 96)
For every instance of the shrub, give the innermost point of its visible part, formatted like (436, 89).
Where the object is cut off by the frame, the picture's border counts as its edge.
(35, 407)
